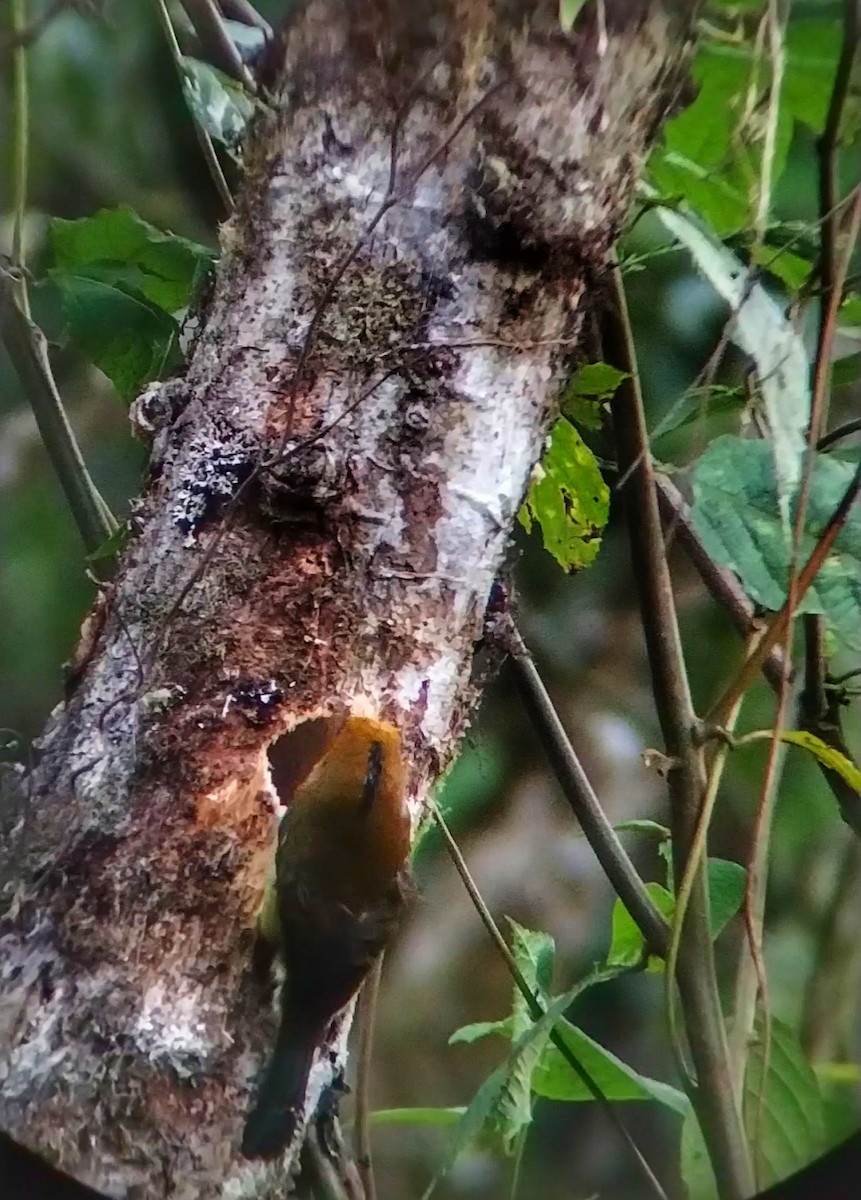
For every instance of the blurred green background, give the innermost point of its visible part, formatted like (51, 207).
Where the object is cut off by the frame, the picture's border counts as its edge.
(109, 126)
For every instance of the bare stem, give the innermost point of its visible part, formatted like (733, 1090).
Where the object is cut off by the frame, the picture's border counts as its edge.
(713, 1096)
(203, 138)
(361, 1122)
(586, 806)
(832, 991)
(20, 149)
(25, 344)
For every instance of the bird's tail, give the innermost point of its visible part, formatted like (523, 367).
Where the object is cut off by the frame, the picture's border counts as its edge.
(280, 1104)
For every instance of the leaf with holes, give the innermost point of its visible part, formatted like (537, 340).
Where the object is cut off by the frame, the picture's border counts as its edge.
(568, 499)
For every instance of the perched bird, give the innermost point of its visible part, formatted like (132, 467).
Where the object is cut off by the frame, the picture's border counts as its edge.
(340, 889)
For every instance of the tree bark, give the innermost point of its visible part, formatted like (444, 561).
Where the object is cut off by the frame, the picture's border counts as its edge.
(422, 229)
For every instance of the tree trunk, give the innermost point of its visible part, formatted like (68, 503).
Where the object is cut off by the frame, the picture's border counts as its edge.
(420, 236)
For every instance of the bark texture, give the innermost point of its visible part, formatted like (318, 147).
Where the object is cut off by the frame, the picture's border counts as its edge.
(333, 484)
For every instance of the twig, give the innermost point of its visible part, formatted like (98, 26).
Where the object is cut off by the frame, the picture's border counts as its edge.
(27, 349)
(778, 62)
(778, 624)
(331, 1174)
(536, 1008)
(203, 138)
(217, 43)
(242, 10)
(23, 35)
(832, 991)
(832, 279)
(838, 434)
(721, 583)
(713, 1096)
(578, 791)
(361, 1119)
(20, 149)
(685, 885)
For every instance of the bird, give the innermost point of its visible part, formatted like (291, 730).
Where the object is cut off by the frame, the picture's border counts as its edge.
(341, 887)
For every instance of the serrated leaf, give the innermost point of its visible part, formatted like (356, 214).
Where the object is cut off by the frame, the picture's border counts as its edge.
(568, 499)
(760, 328)
(784, 1115)
(218, 103)
(484, 1104)
(735, 512)
(533, 952)
(554, 1079)
(480, 1029)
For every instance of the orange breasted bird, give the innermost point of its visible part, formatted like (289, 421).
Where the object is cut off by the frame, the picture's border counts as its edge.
(341, 886)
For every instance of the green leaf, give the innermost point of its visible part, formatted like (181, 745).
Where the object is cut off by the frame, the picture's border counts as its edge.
(643, 825)
(586, 392)
(569, 10)
(568, 499)
(726, 881)
(784, 1115)
(111, 546)
(726, 892)
(127, 337)
(790, 268)
(846, 371)
(761, 329)
(554, 1079)
(827, 755)
(850, 310)
(626, 942)
(735, 512)
(484, 1104)
(417, 1116)
(116, 246)
(533, 952)
(701, 405)
(480, 1029)
(218, 103)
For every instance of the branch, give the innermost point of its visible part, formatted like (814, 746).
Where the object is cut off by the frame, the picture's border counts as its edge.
(578, 791)
(721, 583)
(218, 45)
(713, 1096)
(778, 625)
(27, 349)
